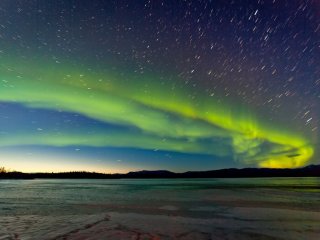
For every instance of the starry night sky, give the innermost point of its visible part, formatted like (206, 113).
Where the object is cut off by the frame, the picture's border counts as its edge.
(115, 86)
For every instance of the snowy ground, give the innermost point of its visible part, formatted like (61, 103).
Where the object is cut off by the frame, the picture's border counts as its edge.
(191, 213)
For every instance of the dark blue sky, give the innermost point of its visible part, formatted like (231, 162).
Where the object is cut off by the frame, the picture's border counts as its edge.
(179, 85)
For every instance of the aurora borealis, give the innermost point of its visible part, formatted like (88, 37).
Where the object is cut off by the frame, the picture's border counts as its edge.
(114, 86)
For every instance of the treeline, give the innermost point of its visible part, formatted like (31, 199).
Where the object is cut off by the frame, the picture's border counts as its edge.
(14, 175)
(76, 175)
(309, 171)
(6, 174)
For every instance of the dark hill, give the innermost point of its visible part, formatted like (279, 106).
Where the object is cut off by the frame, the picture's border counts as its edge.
(150, 174)
(308, 171)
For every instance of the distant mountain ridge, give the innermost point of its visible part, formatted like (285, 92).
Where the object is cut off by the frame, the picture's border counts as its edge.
(308, 171)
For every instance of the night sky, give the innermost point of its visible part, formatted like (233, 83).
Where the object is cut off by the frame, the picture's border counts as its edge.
(116, 86)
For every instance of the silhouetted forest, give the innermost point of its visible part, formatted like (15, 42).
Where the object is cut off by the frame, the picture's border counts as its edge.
(309, 171)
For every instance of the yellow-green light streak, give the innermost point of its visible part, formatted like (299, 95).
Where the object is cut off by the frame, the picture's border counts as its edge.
(167, 118)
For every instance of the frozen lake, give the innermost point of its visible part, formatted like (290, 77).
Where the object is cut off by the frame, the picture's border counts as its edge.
(261, 208)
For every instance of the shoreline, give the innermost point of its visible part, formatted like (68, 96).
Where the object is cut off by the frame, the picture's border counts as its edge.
(308, 171)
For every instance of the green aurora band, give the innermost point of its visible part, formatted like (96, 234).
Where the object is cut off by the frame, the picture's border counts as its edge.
(159, 115)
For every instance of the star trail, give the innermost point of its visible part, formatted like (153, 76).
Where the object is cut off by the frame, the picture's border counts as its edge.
(114, 86)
